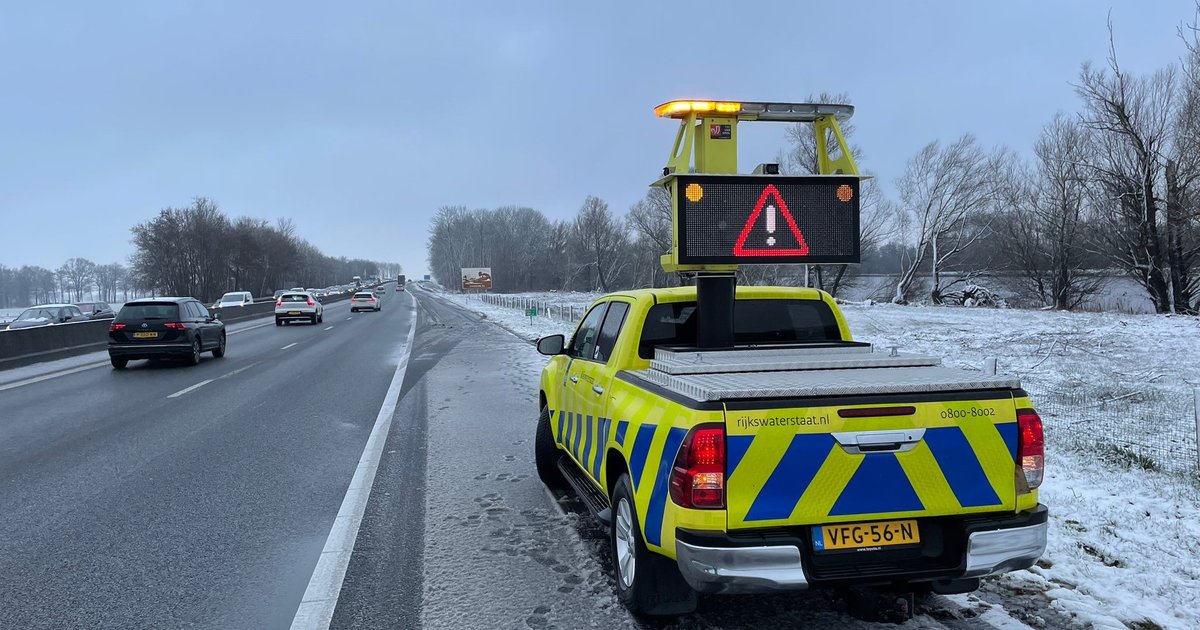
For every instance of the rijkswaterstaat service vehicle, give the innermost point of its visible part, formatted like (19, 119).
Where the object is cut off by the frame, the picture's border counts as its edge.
(738, 440)
(164, 328)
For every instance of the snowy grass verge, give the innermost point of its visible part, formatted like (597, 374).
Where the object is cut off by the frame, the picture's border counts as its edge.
(1124, 542)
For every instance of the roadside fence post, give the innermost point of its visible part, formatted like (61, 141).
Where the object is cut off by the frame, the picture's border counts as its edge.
(989, 366)
(1196, 414)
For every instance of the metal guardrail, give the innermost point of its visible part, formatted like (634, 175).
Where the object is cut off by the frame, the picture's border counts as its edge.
(26, 346)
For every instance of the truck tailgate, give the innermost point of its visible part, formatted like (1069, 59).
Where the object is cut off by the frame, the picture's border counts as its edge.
(867, 458)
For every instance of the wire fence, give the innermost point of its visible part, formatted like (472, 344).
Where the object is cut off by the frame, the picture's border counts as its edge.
(1143, 426)
(570, 313)
(1140, 425)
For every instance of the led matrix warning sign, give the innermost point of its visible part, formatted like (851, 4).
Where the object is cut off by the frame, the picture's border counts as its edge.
(775, 220)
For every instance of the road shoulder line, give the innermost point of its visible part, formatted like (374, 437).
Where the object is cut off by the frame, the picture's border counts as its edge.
(320, 598)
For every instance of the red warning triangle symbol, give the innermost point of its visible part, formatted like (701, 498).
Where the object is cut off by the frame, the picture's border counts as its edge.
(740, 249)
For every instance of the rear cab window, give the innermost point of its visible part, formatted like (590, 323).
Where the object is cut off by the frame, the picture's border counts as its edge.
(760, 321)
(295, 297)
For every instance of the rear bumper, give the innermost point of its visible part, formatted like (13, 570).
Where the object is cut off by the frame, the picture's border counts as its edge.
(303, 314)
(148, 350)
(962, 548)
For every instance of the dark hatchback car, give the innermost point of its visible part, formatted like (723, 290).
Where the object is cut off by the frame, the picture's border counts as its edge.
(163, 328)
(96, 310)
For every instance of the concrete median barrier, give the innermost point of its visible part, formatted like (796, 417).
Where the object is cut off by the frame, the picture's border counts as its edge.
(48, 343)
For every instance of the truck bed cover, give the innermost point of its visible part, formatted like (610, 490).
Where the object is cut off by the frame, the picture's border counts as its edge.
(709, 375)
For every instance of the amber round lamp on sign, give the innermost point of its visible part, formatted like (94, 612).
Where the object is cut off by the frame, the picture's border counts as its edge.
(845, 193)
(694, 192)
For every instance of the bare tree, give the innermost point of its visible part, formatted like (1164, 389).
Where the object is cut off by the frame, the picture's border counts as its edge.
(1130, 118)
(945, 193)
(1046, 227)
(601, 240)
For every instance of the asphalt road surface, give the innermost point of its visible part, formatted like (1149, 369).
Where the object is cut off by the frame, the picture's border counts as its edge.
(171, 496)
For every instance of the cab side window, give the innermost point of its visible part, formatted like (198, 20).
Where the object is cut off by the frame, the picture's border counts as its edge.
(610, 330)
(201, 312)
(583, 345)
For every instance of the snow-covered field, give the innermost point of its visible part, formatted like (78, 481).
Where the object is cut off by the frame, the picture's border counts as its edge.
(1124, 544)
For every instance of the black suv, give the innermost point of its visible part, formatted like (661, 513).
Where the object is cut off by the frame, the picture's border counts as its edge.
(166, 327)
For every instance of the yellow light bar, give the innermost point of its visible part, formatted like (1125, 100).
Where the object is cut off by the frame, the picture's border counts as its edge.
(786, 112)
(673, 109)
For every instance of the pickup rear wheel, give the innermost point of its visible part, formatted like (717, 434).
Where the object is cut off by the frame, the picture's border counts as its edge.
(647, 583)
(545, 454)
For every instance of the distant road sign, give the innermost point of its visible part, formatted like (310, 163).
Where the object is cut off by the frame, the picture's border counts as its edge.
(477, 278)
(734, 219)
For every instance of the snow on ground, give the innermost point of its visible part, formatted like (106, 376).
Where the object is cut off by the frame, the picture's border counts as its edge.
(1124, 544)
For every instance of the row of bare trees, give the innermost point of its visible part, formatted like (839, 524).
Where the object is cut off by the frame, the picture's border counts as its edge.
(198, 251)
(76, 280)
(1111, 190)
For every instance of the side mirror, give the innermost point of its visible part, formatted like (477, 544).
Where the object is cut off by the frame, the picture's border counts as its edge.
(551, 345)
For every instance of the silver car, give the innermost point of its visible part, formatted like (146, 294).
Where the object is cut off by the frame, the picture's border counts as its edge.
(298, 306)
(365, 301)
(234, 299)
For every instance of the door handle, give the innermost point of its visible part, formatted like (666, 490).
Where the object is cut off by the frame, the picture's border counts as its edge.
(597, 389)
(574, 379)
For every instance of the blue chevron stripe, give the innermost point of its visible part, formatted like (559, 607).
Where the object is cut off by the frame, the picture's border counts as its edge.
(791, 477)
(641, 448)
(961, 467)
(879, 485)
(658, 497)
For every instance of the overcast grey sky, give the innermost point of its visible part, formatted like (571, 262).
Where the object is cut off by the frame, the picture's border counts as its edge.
(358, 119)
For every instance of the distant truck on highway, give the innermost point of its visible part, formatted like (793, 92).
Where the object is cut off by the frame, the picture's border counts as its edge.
(795, 458)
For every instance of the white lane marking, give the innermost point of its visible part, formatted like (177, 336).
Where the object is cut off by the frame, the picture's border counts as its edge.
(239, 370)
(289, 345)
(242, 330)
(329, 328)
(189, 389)
(46, 377)
(350, 318)
(320, 598)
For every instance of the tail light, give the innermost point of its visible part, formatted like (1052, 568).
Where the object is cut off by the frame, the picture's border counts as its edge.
(372, 299)
(175, 326)
(698, 476)
(1031, 447)
(278, 302)
(114, 327)
(311, 303)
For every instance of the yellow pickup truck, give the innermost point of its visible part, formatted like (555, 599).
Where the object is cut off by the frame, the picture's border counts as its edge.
(796, 458)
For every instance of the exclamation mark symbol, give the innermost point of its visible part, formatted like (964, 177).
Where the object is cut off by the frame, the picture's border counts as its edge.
(771, 225)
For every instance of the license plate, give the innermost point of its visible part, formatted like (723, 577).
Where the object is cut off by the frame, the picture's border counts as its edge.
(293, 312)
(145, 335)
(865, 536)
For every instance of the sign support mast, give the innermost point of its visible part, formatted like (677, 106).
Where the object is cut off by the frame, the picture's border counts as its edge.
(706, 143)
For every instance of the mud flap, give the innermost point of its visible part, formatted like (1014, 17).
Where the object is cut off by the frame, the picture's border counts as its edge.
(671, 595)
